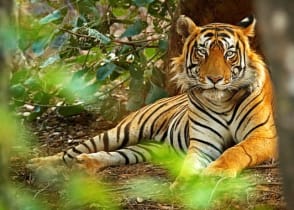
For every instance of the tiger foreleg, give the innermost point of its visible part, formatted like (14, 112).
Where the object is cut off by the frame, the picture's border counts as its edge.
(50, 164)
(193, 165)
(247, 153)
(98, 161)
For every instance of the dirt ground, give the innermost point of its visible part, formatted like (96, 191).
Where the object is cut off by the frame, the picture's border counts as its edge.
(54, 134)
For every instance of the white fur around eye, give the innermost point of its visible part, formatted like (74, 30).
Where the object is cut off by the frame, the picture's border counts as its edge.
(230, 54)
(201, 51)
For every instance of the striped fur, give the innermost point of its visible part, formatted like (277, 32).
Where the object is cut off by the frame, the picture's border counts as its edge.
(223, 121)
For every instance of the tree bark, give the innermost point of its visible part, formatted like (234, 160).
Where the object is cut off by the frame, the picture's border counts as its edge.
(204, 12)
(277, 28)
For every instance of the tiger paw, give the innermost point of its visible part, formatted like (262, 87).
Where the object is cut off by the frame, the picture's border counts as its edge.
(216, 170)
(50, 165)
(89, 164)
(53, 160)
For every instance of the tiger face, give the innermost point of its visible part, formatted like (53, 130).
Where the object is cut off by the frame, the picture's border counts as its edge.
(216, 58)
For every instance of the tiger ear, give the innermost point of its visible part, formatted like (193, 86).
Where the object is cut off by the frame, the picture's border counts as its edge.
(248, 25)
(185, 26)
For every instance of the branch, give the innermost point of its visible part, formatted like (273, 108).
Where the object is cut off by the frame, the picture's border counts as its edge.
(132, 43)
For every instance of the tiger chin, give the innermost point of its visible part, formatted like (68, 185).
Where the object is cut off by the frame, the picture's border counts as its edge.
(222, 123)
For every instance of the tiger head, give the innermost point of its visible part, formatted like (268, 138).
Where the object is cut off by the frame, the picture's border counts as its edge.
(217, 59)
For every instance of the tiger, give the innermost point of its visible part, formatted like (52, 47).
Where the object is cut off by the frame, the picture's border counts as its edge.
(222, 123)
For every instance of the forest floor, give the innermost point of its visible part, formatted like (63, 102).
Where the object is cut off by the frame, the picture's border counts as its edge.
(54, 134)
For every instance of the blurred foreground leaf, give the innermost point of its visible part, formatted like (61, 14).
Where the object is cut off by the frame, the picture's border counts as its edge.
(81, 191)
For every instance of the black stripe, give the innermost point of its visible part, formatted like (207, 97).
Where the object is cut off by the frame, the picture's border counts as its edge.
(106, 141)
(205, 155)
(171, 135)
(202, 154)
(69, 155)
(142, 126)
(126, 136)
(207, 143)
(156, 108)
(85, 145)
(257, 126)
(245, 116)
(93, 145)
(187, 134)
(127, 160)
(158, 129)
(207, 113)
(210, 34)
(165, 120)
(229, 30)
(118, 133)
(151, 106)
(192, 65)
(207, 127)
(145, 147)
(180, 142)
(237, 106)
(75, 150)
(223, 35)
(163, 138)
(139, 153)
(136, 158)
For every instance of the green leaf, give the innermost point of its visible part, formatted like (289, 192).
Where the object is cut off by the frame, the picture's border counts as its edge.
(82, 191)
(33, 83)
(50, 61)
(17, 91)
(135, 29)
(101, 37)
(149, 52)
(42, 98)
(55, 15)
(70, 110)
(143, 3)
(163, 44)
(104, 71)
(38, 47)
(155, 93)
(118, 11)
(19, 76)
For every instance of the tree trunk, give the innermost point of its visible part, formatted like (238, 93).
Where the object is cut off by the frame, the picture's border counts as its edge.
(203, 12)
(6, 201)
(277, 27)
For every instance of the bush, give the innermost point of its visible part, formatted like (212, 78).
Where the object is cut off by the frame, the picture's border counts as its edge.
(88, 54)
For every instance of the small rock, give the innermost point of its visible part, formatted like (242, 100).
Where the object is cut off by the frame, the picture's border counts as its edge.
(140, 200)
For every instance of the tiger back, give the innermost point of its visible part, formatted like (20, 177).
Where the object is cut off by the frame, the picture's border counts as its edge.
(222, 123)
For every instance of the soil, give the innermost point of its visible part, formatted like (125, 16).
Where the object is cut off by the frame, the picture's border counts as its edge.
(54, 134)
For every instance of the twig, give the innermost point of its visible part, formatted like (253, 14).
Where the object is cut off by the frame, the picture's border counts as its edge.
(113, 88)
(215, 188)
(121, 189)
(40, 191)
(133, 43)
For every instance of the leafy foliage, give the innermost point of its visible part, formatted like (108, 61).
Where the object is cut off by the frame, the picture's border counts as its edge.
(82, 53)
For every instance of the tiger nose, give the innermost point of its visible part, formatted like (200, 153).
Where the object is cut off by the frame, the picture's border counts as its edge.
(214, 79)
